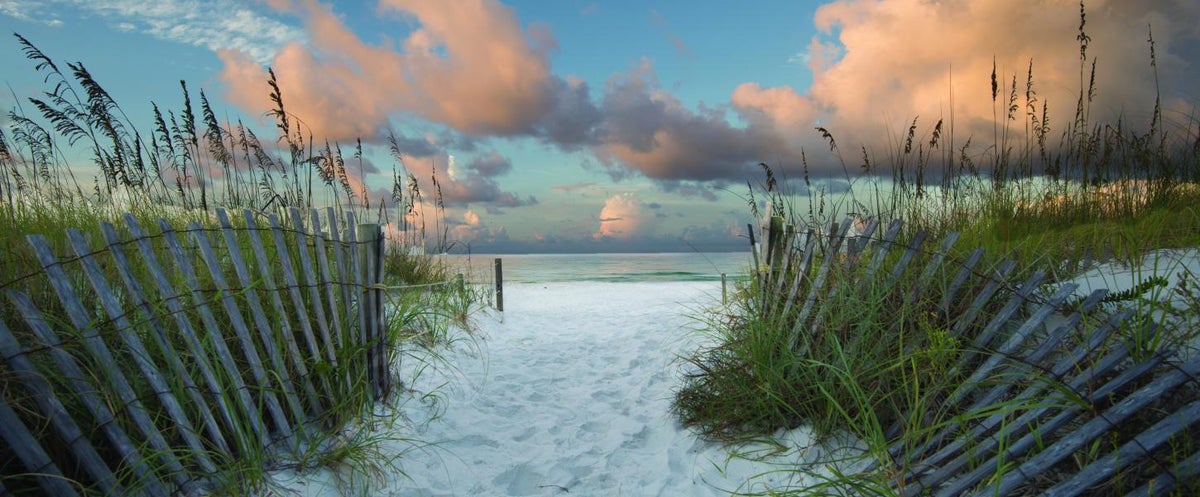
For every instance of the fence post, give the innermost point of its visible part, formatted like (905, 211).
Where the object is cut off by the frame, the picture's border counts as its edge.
(499, 285)
(370, 251)
(462, 285)
(775, 244)
(724, 300)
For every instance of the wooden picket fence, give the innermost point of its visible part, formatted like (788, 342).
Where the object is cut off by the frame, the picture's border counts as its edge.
(1080, 385)
(140, 362)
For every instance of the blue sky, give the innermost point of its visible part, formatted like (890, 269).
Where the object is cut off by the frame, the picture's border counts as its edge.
(595, 126)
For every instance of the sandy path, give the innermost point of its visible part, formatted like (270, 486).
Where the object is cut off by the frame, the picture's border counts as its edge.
(570, 394)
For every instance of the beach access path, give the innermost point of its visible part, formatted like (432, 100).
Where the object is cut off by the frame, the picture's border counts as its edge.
(568, 392)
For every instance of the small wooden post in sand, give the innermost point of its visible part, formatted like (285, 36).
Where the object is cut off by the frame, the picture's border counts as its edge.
(499, 286)
(724, 300)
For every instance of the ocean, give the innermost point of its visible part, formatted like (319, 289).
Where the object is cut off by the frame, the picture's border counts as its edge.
(611, 268)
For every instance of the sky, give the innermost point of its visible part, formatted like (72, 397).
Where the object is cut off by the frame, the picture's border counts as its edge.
(617, 126)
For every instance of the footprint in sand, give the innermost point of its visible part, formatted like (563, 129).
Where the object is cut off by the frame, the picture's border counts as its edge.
(519, 480)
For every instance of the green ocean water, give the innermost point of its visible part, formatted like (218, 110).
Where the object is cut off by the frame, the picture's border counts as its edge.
(613, 268)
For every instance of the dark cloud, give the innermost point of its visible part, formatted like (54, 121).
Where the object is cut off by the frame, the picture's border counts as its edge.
(574, 187)
(649, 131)
(412, 146)
(490, 165)
(479, 189)
(572, 119)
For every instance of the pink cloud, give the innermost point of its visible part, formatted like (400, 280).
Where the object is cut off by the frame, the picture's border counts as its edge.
(623, 217)
(468, 65)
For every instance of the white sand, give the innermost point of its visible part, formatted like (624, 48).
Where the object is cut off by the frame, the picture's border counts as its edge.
(568, 393)
(1172, 264)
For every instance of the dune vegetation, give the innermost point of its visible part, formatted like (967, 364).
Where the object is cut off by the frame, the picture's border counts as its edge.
(1055, 201)
(70, 158)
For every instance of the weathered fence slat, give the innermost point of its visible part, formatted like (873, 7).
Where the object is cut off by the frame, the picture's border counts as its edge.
(994, 283)
(1093, 428)
(345, 275)
(359, 269)
(238, 322)
(314, 291)
(779, 269)
(932, 266)
(175, 307)
(1045, 429)
(1048, 345)
(241, 391)
(806, 257)
(965, 271)
(26, 448)
(261, 323)
(82, 321)
(340, 313)
(881, 247)
(1010, 345)
(1066, 364)
(326, 278)
(910, 251)
(69, 432)
(819, 283)
(140, 355)
(76, 378)
(293, 288)
(1187, 470)
(370, 243)
(285, 327)
(983, 341)
(1142, 444)
(917, 456)
(158, 336)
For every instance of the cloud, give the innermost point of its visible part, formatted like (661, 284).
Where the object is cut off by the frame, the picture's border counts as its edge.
(468, 65)
(465, 186)
(215, 25)
(574, 187)
(650, 131)
(895, 59)
(490, 164)
(879, 64)
(623, 218)
(571, 120)
(474, 69)
(471, 230)
(29, 11)
(660, 23)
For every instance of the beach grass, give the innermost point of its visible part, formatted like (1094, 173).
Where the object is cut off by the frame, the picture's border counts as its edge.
(878, 367)
(71, 159)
